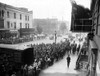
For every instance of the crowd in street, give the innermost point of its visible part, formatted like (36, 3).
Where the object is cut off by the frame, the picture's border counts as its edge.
(46, 55)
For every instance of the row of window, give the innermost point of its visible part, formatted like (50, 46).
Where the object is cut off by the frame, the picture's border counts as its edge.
(27, 25)
(8, 25)
(14, 24)
(26, 17)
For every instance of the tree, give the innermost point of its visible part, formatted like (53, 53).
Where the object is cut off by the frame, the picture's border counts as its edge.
(63, 27)
(39, 29)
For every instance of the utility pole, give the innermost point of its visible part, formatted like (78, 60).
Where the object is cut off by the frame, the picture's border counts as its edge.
(55, 36)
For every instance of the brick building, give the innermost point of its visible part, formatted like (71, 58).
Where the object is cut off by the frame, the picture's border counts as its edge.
(13, 19)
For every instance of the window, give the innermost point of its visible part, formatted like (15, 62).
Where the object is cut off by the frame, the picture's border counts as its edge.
(26, 18)
(8, 14)
(20, 25)
(8, 24)
(11, 25)
(2, 13)
(28, 25)
(14, 25)
(20, 16)
(15, 15)
(25, 25)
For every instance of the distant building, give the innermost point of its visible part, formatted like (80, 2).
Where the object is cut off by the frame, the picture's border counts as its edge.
(48, 25)
(13, 18)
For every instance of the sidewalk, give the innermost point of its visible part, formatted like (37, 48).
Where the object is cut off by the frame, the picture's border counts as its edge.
(60, 68)
(98, 70)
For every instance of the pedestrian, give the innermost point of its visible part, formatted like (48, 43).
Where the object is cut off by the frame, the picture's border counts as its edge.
(68, 60)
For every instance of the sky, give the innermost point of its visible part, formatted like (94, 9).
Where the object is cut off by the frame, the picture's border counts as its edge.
(60, 9)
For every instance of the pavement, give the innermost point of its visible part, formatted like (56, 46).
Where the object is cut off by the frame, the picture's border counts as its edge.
(60, 68)
(98, 70)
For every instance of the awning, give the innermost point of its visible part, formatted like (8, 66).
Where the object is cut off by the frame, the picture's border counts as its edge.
(14, 31)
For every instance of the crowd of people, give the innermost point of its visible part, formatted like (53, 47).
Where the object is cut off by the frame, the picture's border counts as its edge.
(46, 55)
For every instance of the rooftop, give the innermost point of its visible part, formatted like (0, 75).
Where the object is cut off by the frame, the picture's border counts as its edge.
(17, 8)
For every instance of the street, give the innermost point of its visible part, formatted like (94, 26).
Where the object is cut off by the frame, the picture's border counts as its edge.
(22, 46)
(58, 68)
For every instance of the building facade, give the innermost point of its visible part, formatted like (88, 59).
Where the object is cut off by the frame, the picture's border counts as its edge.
(93, 37)
(95, 8)
(12, 18)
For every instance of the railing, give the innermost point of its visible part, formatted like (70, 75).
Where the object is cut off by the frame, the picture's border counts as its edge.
(82, 60)
(77, 62)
